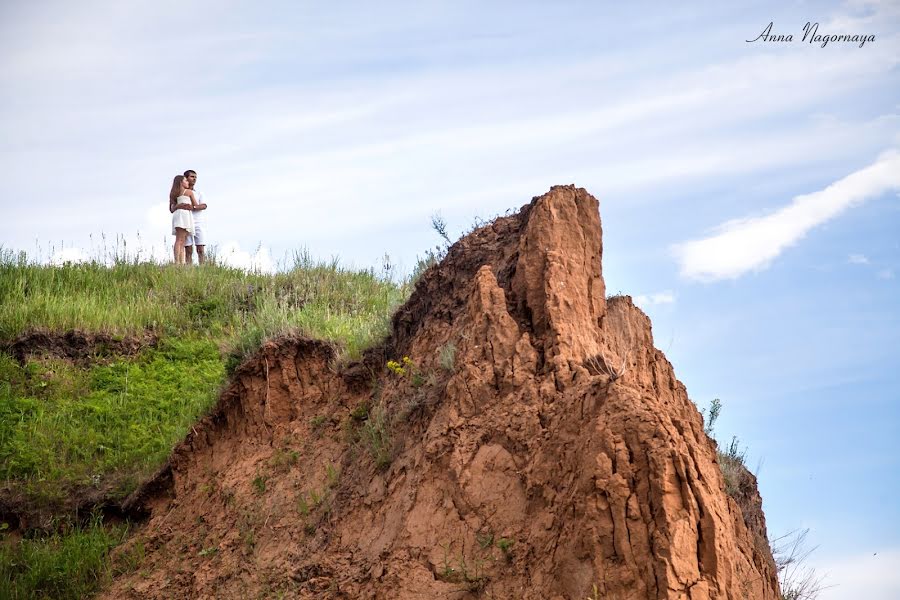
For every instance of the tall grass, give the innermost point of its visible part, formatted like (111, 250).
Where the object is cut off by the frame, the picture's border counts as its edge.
(59, 566)
(324, 300)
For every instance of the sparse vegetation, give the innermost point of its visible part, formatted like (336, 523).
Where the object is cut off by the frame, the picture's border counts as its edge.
(505, 545)
(259, 484)
(375, 434)
(797, 579)
(709, 419)
(466, 571)
(318, 421)
(732, 460)
(284, 458)
(447, 358)
(407, 369)
(732, 463)
(361, 411)
(436, 254)
(600, 365)
(302, 504)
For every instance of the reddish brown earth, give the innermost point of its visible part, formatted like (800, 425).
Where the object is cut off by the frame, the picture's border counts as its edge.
(555, 457)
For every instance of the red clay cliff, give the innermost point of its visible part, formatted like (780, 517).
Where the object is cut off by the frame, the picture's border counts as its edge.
(535, 445)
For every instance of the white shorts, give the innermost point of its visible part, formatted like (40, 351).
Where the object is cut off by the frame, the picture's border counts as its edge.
(198, 238)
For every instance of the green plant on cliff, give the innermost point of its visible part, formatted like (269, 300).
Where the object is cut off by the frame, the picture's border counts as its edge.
(732, 460)
(375, 433)
(798, 581)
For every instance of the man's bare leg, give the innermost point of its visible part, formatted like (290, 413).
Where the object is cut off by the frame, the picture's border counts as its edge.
(189, 255)
(201, 254)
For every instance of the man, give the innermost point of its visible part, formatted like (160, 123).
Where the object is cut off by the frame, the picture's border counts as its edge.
(198, 238)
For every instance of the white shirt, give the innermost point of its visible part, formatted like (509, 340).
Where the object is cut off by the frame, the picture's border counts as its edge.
(198, 214)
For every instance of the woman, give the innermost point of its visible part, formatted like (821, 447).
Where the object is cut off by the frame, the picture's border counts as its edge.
(181, 201)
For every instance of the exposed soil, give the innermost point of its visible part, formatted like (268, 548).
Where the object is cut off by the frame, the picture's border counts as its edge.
(80, 347)
(535, 446)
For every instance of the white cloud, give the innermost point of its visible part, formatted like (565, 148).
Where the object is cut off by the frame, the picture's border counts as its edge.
(69, 255)
(751, 244)
(858, 259)
(646, 300)
(872, 576)
(231, 254)
(886, 274)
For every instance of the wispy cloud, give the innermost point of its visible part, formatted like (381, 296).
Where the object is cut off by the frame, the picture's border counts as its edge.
(374, 123)
(858, 259)
(646, 300)
(886, 274)
(751, 244)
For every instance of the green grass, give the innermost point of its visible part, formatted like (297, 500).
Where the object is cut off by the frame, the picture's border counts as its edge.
(64, 426)
(323, 300)
(109, 424)
(60, 423)
(60, 566)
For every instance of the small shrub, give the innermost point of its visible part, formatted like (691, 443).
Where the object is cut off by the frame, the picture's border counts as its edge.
(485, 540)
(400, 368)
(715, 407)
(332, 473)
(259, 485)
(407, 369)
(302, 504)
(284, 459)
(505, 545)
(732, 462)
(447, 358)
(467, 571)
(361, 412)
(375, 434)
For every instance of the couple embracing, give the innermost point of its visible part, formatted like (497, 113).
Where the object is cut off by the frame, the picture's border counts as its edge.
(186, 206)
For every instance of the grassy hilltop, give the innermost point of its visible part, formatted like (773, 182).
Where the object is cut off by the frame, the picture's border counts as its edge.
(99, 426)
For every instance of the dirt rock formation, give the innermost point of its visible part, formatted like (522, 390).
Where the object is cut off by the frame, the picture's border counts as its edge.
(534, 445)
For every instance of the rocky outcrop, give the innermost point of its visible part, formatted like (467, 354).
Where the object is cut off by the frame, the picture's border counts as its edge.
(534, 445)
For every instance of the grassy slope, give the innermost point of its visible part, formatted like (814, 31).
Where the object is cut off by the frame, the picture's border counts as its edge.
(110, 424)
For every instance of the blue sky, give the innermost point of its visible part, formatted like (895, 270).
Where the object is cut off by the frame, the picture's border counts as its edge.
(749, 191)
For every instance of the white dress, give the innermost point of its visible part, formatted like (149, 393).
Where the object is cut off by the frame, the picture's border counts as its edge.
(182, 217)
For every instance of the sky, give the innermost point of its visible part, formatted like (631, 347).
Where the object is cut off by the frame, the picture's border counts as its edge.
(749, 190)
